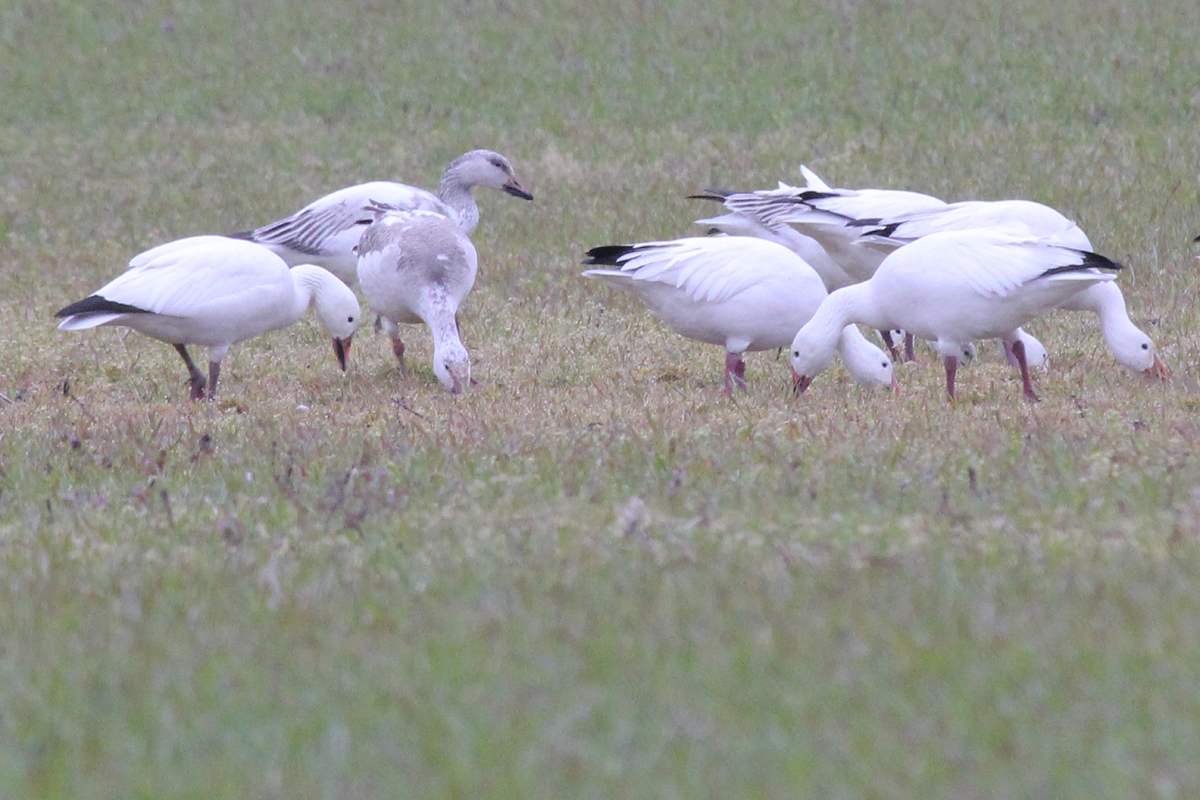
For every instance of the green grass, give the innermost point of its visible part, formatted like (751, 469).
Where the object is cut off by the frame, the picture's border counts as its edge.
(594, 576)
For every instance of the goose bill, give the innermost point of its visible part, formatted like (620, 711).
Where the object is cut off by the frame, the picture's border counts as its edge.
(801, 382)
(1158, 369)
(517, 190)
(341, 349)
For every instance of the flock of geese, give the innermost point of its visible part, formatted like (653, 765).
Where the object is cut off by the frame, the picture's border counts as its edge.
(796, 267)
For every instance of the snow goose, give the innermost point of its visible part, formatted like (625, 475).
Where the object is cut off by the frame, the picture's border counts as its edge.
(326, 231)
(214, 291)
(417, 266)
(744, 294)
(1130, 345)
(818, 217)
(953, 288)
(823, 214)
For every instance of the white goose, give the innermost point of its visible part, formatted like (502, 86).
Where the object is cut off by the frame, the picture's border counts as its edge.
(822, 214)
(417, 266)
(1132, 348)
(744, 294)
(822, 218)
(215, 291)
(953, 288)
(326, 231)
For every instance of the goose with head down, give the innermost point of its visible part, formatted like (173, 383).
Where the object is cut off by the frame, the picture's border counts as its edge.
(954, 288)
(1130, 345)
(741, 293)
(417, 267)
(215, 291)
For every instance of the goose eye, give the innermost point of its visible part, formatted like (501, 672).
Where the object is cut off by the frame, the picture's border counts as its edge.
(349, 319)
(884, 365)
(1145, 346)
(795, 353)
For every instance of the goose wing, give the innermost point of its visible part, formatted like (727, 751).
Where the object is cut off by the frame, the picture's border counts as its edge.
(708, 269)
(312, 228)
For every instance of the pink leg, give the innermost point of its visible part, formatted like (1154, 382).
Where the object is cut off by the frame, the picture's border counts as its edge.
(909, 355)
(735, 372)
(1009, 355)
(891, 346)
(1018, 349)
(951, 368)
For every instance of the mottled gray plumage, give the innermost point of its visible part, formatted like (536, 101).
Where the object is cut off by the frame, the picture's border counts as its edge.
(418, 267)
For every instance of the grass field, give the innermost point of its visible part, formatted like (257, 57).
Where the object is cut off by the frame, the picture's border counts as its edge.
(594, 576)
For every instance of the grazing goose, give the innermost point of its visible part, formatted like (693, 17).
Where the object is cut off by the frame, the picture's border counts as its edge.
(820, 215)
(417, 266)
(215, 291)
(1130, 345)
(954, 288)
(326, 231)
(850, 223)
(744, 294)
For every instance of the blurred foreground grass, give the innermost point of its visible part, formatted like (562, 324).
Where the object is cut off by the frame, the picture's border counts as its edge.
(594, 576)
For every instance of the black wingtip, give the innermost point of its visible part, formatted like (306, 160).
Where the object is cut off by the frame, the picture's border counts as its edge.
(1098, 261)
(885, 231)
(608, 255)
(1197, 239)
(1090, 261)
(98, 305)
(711, 194)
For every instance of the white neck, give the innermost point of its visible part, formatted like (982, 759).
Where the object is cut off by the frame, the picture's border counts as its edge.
(822, 335)
(309, 282)
(1106, 302)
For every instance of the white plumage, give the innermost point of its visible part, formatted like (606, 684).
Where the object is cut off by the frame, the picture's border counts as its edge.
(418, 267)
(743, 294)
(954, 288)
(822, 214)
(215, 291)
(858, 228)
(326, 231)
(1130, 345)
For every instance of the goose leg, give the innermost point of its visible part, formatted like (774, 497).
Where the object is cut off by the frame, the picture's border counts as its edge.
(735, 372)
(891, 346)
(195, 376)
(909, 355)
(951, 368)
(214, 372)
(1018, 349)
(1009, 355)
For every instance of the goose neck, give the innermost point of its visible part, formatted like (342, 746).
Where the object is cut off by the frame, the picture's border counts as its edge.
(456, 193)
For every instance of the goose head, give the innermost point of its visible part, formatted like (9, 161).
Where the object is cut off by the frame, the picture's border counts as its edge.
(488, 168)
(338, 311)
(867, 364)
(1136, 351)
(810, 356)
(452, 366)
